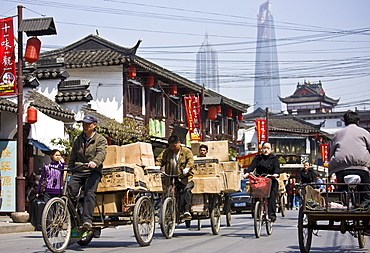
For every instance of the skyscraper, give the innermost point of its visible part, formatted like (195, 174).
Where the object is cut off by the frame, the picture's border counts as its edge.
(207, 66)
(267, 80)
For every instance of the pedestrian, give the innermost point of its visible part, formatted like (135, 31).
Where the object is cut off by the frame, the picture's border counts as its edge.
(290, 192)
(320, 187)
(306, 174)
(51, 180)
(179, 161)
(297, 197)
(89, 148)
(267, 163)
(350, 153)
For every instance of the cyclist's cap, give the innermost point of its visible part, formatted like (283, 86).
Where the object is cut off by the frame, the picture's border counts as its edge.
(88, 119)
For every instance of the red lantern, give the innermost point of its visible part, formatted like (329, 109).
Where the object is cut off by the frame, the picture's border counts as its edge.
(32, 50)
(229, 113)
(218, 107)
(240, 116)
(173, 90)
(31, 115)
(150, 81)
(131, 72)
(212, 113)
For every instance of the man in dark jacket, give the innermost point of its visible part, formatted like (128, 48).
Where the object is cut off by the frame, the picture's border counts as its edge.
(89, 147)
(306, 174)
(267, 163)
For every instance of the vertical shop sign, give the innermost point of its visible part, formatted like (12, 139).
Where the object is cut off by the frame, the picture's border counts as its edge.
(7, 58)
(261, 131)
(324, 148)
(192, 107)
(8, 161)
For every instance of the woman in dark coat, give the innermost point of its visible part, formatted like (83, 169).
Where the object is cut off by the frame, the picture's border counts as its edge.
(267, 163)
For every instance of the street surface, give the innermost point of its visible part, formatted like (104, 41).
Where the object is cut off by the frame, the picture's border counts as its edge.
(237, 238)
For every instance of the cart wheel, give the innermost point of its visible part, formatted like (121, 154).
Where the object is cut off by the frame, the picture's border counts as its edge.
(228, 211)
(144, 221)
(304, 232)
(282, 205)
(187, 223)
(168, 218)
(87, 239)
(257, 215)
(216, 219)
(56, 225)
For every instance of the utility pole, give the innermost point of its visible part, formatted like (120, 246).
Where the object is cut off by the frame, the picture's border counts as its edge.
(267, 124)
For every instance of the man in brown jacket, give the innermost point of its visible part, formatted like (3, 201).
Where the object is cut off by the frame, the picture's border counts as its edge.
(179, 161)
(89, 147)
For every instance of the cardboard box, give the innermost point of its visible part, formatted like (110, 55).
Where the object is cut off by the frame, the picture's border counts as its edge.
(115, 155)
(154, 181)
(216, 149)
(116, 178)
(140, 153)
(108, 203)
(206, 184)
(211, 169)
(231, 181)
(229, 166)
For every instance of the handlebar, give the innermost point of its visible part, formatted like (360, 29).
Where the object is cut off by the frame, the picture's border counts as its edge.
(167, 175)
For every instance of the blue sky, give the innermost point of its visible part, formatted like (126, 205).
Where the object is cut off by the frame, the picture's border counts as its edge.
(317, 40)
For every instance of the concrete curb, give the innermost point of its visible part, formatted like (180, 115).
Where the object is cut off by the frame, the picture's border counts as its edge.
(8, 226)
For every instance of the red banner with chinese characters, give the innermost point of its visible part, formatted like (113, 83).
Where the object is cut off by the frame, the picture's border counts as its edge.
(7, 58)
(324, 149)
(261, 131)
(246, 160)
(192, 107)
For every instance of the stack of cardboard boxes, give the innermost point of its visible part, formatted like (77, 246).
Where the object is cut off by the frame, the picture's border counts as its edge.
(124, 168)
(215, 173)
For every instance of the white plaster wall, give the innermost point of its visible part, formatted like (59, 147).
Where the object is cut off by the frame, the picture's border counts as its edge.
(330, 124)
(106, 88)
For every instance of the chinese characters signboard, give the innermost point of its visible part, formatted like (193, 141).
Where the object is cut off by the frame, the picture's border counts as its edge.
(192, 107)
(8, 160)
(261, 131)
(324, 148)
(7, 58)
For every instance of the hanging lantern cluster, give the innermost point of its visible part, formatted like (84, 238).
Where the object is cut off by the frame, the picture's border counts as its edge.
(229, 113)
(212, 113)
(150, 81)
(240, 116)
(32, 50)
(173, 90)
(131, 72)
(31, 115)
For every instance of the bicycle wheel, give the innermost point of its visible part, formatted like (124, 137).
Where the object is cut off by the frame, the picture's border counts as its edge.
(227, 211)
(304, 232)
(257, 215)
(56, 225)
(268, 226)
(215, 219)
(143, 221)
(168, 218)
(282, 205)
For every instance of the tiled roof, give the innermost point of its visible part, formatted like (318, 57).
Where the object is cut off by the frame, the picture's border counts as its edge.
(292, 125)
(73, 91)
(49, 107)
(96, 51)
(8, 106)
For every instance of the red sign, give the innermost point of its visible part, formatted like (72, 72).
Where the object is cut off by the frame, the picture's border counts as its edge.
(192, 107)
(246, 160)
(261, 130)
(7, 58)
(324, 148)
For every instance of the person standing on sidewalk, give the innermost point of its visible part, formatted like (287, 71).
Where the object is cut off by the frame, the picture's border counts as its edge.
(89, 147)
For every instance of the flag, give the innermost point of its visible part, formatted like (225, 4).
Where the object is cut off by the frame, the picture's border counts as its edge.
(192, 107)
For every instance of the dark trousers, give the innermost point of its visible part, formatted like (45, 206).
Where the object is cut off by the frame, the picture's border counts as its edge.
(185, 195)
(90, 181)
(290, 201)
(272, 199)
(364, 179)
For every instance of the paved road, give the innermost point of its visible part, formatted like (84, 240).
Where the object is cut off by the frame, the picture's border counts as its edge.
(237, 238)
